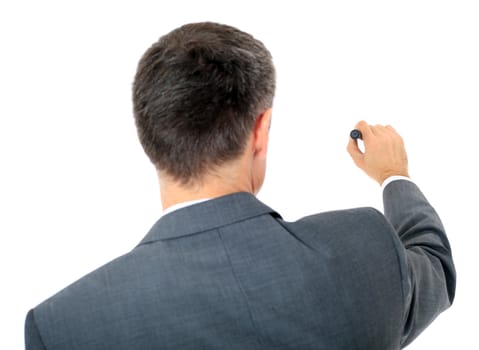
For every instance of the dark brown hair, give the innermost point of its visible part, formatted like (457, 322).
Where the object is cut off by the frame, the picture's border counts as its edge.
(196, 95)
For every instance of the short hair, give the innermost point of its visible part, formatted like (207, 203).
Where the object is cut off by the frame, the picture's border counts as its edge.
(196, 95)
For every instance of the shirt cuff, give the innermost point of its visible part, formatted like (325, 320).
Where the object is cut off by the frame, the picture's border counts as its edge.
(394, 178)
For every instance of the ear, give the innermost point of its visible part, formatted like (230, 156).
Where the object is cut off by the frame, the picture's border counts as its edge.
(261, 133)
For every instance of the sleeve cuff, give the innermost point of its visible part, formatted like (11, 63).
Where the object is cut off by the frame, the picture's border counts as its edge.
(394, 178)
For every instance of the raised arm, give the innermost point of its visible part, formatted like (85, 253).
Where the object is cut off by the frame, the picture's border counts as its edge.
(431, 276)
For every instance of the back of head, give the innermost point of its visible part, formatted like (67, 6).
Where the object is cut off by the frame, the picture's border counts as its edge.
(196, 95)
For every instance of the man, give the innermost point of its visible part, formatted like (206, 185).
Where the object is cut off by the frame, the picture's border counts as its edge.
(220, 269)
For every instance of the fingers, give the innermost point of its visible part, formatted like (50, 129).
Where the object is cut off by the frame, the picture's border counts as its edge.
(371, 134)
(354, 151)
(365, 129)
(383, 130)
(377, 129)
(390, 128)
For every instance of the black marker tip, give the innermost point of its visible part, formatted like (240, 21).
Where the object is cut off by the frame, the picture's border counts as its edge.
(356, 134)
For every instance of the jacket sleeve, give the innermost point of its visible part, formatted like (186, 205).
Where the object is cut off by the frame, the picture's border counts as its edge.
(33, 341)
(431, 275)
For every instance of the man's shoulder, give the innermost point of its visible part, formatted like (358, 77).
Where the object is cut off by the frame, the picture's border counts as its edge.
(345, 219)
(88, 294)
(356, 227)
(88, 286)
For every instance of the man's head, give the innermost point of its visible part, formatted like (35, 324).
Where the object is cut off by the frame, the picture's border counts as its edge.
(197, 96)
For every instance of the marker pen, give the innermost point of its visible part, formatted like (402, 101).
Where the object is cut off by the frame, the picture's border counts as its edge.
(356, 134)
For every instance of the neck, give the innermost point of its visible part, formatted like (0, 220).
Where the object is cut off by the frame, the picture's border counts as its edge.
(210, 186)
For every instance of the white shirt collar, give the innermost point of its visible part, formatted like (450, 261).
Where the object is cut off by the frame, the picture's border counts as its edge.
(183, 205)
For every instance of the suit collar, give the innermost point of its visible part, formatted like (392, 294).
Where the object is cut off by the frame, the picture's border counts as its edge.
(206, 216)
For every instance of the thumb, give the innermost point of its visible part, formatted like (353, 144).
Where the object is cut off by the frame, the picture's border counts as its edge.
(355, 152)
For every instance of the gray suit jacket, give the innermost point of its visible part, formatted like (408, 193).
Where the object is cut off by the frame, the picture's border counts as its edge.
(229, 273)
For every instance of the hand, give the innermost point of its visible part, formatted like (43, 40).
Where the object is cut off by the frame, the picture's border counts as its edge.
(384, 152)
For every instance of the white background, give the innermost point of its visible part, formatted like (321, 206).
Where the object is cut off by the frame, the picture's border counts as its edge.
(76, 189)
